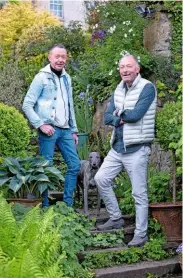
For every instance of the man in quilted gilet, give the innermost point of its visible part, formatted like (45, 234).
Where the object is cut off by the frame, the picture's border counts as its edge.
(132, 114)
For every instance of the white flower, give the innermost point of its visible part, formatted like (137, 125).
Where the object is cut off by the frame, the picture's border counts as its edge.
(130, 30)
(110, 73)
(138, 59)
(124, 52)
(125, 35)
(96, 25)
(98, 11)
(117, 68)
(133, 35)
(124, 22)
(128, 22)
(116, 62)
(112, 29)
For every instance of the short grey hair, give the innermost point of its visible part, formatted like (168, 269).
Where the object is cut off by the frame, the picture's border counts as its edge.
(130, 55)
(57, 45)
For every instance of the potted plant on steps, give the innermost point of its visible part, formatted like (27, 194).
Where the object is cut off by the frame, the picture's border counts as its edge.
(168, 126)
(28, 178)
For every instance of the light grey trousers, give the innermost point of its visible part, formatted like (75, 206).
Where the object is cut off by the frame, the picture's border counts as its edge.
(135, 165)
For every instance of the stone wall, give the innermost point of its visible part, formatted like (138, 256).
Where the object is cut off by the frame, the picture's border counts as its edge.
(157, 35)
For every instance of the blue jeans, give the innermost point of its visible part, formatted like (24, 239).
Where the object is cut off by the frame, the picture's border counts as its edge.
(64, 140)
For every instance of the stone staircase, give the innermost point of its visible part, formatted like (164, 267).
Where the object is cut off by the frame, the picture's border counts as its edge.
(170, 267)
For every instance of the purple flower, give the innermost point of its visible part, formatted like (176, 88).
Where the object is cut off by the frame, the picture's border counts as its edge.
(82, 95)
(90, 101)
(179, 249)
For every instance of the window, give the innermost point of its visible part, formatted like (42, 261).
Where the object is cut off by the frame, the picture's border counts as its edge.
(56, 8)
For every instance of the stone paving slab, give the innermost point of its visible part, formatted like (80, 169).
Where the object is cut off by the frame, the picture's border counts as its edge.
(140, 270)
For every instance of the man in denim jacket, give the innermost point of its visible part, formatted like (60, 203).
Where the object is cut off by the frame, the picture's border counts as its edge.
(48, 105)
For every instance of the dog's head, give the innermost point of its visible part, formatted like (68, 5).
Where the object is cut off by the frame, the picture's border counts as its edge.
(95, 160)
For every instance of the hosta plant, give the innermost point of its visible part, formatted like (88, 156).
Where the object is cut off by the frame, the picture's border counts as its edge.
(29, 176)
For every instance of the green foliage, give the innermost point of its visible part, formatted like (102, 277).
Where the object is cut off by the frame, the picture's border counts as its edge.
(121, 184)
(83, 152)
(74, 235)
(105, 240)
(29, 175)
(116, 29)
(14, 20)
(32, 47)
(29, 248)
(158, 185)
(167, 94)
(175, 15)
(32, 66)
(12, 85)
(158, 190)
(38, 39)
(74, 231)
(99, 143)
(14, 132)
(168, 126)
(155, 230)
(83, 105)
(168, 78)
(152, 250)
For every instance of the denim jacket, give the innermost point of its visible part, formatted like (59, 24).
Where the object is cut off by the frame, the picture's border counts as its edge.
(41, 98)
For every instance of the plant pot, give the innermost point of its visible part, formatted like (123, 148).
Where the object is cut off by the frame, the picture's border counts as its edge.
(25, 202)
(56, 196)
(169, 215)
(82, 139)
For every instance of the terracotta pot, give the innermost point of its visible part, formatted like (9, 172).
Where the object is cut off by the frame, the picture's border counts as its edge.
(25, 202)
(169, 215)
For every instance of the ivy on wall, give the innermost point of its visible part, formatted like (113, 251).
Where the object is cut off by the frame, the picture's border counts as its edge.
(175, 15)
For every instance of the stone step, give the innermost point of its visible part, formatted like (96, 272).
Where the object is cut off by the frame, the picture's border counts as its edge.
(121, 247)
(140, 270)
(128, 232)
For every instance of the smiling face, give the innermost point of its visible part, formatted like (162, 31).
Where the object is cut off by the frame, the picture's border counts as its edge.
(129, 69)
(58, 58)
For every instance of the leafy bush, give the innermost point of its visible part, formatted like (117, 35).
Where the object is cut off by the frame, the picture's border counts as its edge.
(169, 134)
(14, 132)
(12, 85)
(158, 185)
(115, 29)
(14, 19)
(75, 235)
(169, 130)
(34, 43)
(38, 39)
(158, 190)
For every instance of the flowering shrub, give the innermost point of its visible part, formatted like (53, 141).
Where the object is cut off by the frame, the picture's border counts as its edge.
(115, 29)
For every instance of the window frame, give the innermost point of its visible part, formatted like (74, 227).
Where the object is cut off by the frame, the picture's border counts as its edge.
(58, 3)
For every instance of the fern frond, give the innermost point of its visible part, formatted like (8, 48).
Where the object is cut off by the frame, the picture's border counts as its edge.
(8, 226)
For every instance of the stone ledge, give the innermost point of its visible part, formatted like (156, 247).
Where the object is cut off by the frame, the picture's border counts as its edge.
(140, 270)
